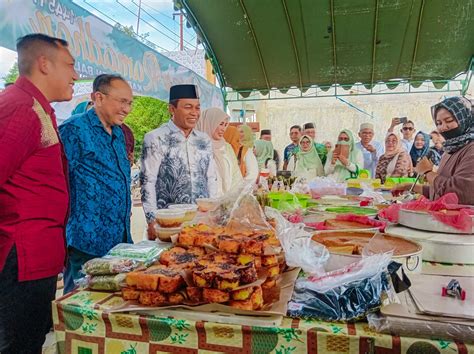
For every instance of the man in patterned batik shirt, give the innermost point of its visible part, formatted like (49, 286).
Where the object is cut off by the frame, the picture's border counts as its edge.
(177, 165)
(99, 175)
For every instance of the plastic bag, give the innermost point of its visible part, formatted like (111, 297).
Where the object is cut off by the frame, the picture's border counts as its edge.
(226, 204)
(326, 186)
(107, 282)
(300, 250)
(146, 251)
(422, 328)
(111, 265)
(343, 295)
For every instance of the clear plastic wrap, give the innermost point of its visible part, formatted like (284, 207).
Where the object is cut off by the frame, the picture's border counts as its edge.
(145, 251)
(112, 265)
(107, 282)
(300, 250)
(429, 328)
(326, 186)
(346, 294)
(221, 214)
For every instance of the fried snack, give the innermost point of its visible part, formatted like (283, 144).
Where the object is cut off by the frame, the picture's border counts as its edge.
(169, 256)
(273, 271)
(130, 294)
(228, 244)
(197, 251)
(215, 296)
(176, 298)
(185, 238)
(248, 273)
(257, 298)
(204, 278)
(157, 277)
(258, 262)
(142, 280)
(227, 280)
(152, 298)
(194, 293)
(242, 294)
(269, 260)
(252, 246)
(242, 305)
(203, 239)
(244, 259)
(222, 258)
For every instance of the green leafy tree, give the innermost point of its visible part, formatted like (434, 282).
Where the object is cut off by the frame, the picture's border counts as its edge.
(147, 114)
(12, 74)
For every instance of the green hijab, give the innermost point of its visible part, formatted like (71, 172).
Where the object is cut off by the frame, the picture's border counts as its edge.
(249, 137)
(309, 160)
(263, 151)
(341, 171)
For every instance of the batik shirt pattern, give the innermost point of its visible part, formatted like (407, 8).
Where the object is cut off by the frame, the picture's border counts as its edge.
(99, 182)
(175, 169)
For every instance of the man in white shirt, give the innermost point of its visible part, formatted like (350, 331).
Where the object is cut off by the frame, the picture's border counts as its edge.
(371, 150)
(177, 164)
(408, 131)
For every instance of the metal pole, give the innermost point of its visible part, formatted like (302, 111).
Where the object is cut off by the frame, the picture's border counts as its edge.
(139, 12)
(181, 47)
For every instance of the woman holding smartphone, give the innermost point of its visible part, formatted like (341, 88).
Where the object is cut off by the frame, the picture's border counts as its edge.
(345, 160)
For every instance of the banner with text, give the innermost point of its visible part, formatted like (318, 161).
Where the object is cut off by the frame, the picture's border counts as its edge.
(101, 48)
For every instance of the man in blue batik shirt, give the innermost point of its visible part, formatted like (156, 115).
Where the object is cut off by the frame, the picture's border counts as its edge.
(99, 175)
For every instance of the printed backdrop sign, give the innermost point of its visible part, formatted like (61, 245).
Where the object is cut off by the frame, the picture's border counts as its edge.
(100, 48)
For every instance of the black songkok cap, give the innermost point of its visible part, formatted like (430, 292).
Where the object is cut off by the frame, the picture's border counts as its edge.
(265, 132)
(308, 126)
(183, 91)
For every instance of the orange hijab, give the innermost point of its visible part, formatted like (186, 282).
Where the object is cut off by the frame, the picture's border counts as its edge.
(232, 136)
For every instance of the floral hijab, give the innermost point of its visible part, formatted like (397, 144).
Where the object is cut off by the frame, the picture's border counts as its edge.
(461, 109)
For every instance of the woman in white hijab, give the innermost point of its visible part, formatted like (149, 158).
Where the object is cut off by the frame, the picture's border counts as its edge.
(214, 122)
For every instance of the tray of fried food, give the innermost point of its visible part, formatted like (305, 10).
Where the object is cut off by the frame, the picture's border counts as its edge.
(200, 235)
(156, 278)
(154, 298)
(256, 243)
(180, 257)
(223, 272)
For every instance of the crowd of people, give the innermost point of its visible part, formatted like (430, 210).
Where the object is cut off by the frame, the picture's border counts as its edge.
(65, 192)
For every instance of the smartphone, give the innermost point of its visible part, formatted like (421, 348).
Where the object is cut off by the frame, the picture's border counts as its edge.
(403, 120)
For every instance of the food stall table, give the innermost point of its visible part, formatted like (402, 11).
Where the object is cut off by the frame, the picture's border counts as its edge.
(83, 325)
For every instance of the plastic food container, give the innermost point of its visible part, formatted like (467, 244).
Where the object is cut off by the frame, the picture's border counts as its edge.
(170, 217)
(206, 204)
(189, 209)
(164, 233)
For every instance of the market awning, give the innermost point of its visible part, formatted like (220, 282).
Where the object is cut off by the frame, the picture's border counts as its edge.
(266, 44)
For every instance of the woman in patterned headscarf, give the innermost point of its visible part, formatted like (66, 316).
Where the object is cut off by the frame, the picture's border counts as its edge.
(341, 167)
(420, 147)
(454, 121)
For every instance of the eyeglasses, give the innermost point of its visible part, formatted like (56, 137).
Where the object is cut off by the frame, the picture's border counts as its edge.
(123, 102)
(407, 128)
(344, 139)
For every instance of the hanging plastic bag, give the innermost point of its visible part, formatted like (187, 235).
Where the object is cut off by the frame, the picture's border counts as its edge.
(300, 250)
